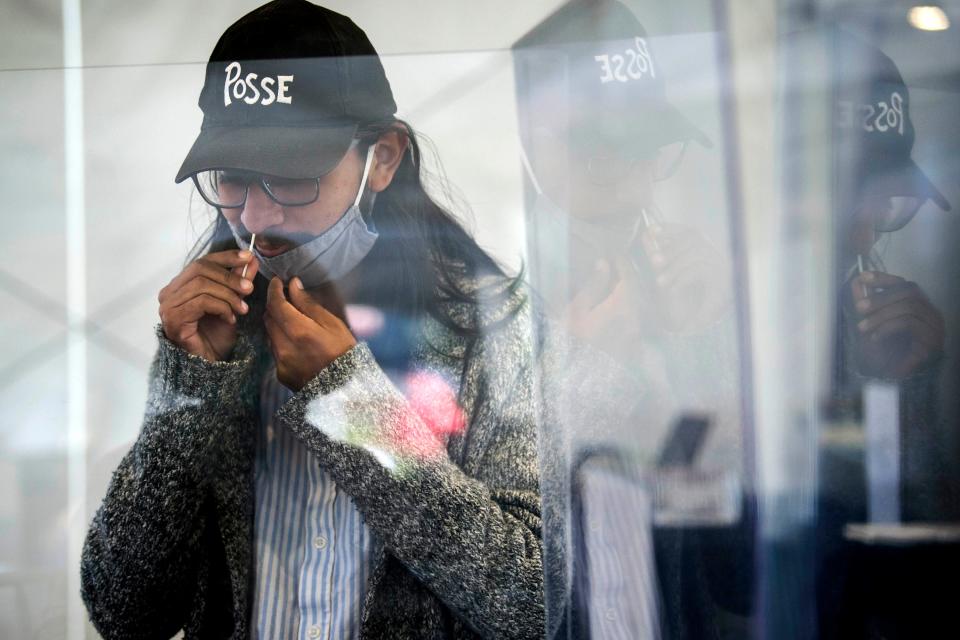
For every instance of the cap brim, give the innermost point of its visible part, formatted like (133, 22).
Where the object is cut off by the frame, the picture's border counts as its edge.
(907, 180)
(637, 129)
(683, 128)
(289, 152)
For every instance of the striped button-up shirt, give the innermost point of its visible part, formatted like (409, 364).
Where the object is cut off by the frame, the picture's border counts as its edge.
(312, 548)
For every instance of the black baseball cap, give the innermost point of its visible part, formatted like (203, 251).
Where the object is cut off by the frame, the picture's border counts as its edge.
(286, 88)
(615, 89)
(874, 128)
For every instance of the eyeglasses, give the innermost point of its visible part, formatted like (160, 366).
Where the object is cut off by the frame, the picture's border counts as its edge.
(892, 213)
(228, 188)
(610, 168)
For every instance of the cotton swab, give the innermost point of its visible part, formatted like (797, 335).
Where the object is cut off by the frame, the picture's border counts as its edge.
(860, 269)
(648, 224)
(253, 239)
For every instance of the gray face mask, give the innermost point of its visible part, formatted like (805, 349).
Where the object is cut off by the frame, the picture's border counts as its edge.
(329, 256)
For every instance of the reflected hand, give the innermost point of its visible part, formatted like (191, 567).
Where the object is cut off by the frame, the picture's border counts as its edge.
(198, 307)
(304, 335)
(900, 330)
(693, 282)
(605, 312)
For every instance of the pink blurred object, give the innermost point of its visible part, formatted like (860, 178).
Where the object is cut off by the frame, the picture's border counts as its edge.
(436, 403)
(365, 321)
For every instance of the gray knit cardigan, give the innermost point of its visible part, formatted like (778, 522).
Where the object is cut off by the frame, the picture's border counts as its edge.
(459, 551)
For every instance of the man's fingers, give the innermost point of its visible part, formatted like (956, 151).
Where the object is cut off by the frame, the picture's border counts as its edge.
(227, 276)
(252, 267)
(307, 305)
(275, 298)
(880, 279)
(666, 242)
(213, 264)
(890, 295)
(284, 314)
(917, 329)
(230, 258)
(892, 312)
(204, 304)
(684, 268)
(613, 305)
(858, 288)
(202, 285)
(277, 340)
(274, 292)
(274, 332)
(204, 267)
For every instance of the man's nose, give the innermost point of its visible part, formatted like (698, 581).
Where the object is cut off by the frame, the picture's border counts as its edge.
(260, 212)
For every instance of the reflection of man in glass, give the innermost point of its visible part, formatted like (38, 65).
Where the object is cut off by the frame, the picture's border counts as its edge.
(891, 328)
(889, 336)
(598, 133)
(888, 329)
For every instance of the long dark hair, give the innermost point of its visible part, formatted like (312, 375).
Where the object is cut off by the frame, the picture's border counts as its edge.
(425, 261)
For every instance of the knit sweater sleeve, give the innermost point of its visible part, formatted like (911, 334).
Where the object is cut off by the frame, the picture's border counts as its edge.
(138, 561)
(473, 540)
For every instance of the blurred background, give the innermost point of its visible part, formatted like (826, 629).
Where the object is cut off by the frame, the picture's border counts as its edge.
(793, 482)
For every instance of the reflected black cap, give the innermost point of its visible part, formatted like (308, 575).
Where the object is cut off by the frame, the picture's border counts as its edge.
(873, 122)
(286, 87)
(615, 87)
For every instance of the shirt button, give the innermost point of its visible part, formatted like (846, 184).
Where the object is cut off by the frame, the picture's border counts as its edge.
(314, 632)
(611, 615)
(319, 543)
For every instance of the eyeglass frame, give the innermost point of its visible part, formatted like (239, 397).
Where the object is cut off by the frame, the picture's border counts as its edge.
(262, 180)
(631, 162)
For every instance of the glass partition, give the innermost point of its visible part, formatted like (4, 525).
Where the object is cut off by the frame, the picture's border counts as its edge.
(638, 320)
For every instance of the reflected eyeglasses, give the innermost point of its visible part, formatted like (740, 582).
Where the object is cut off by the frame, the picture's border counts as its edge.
(606, 169)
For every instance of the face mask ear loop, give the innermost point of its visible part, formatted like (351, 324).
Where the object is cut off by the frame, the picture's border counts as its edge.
(368, 218)
(529, 170)
(366, 172)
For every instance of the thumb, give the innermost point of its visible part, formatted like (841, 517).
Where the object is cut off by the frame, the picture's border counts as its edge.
(305, 304)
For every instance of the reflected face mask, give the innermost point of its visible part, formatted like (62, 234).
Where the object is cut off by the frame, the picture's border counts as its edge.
(330, 255)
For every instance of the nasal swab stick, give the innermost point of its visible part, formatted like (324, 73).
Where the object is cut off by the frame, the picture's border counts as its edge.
(860, 269)
(649, 225)
(253, 239)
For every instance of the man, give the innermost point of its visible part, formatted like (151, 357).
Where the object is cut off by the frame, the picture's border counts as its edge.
(598, 133)
(289, 479)
(888, 336)
(898, 333)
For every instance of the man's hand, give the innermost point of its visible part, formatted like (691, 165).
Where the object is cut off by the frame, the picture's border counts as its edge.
(304, 336)
(608, 309)
(693, 280)
(613, 312)
(199, 307)
(899, 328)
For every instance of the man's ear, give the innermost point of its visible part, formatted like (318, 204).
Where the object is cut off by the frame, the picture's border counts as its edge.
(386, 159)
